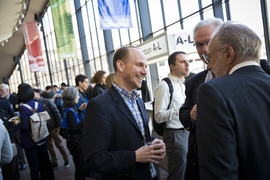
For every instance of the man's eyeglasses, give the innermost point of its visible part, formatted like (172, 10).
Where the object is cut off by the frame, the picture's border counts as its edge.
(206, 58)
(201, 44)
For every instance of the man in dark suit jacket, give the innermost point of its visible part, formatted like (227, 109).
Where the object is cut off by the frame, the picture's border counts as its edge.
(13, 102)
(115, 130)
(233, 117)
(5, 94)
(5, 105)
(202, 33)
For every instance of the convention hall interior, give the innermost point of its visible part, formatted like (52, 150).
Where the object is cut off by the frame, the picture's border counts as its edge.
(158, 27)
(151, 20)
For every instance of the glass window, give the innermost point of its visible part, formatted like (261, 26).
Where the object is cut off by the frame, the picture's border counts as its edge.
(171, 11)
(85, 20)
(251, 17)
(155, 15)
(187, 8)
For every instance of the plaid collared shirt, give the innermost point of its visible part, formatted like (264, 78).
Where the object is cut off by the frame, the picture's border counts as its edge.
(130, 99)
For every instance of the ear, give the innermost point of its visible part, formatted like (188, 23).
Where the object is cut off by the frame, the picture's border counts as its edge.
(120, 65)
(171, 67)
(230, 54)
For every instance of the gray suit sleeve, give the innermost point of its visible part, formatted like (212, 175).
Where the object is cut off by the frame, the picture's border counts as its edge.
(6, 149)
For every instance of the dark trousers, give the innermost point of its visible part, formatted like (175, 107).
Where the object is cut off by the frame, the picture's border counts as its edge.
(20, 155)
(39, 161)
(60, 108)
(77, 153)
(11, 171)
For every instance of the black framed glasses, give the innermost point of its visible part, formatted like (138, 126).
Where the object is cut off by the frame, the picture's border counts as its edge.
(201, 44)
(205, 57)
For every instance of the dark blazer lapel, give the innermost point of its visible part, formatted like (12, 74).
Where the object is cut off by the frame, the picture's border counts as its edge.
(122, 106)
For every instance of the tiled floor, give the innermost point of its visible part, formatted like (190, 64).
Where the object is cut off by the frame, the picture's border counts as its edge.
(63, 173)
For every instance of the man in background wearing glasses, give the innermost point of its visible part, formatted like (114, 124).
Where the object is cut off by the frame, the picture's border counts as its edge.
(201, 35)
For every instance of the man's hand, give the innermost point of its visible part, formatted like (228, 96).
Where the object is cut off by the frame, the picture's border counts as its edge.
(193, 113)
(152, 153)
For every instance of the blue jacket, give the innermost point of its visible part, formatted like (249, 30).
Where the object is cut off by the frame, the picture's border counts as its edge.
(84, 98)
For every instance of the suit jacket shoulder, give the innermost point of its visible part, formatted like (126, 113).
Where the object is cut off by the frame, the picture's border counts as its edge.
(114, 136)
(192, 86)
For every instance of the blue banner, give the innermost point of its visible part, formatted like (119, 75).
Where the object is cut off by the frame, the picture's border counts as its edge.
(114, 14)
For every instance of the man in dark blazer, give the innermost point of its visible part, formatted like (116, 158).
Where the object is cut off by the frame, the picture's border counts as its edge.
(117, 141)
(5, 94)
(201, 35)
(5, 105)
(233, 117)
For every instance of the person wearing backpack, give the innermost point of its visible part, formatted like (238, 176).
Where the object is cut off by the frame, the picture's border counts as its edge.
(166, 109)
(36, 152)
(53, 125)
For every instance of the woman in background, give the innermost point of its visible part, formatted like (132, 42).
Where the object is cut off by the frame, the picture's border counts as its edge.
(110, 79)
(99, 79)
(71, 121)
(36, 152)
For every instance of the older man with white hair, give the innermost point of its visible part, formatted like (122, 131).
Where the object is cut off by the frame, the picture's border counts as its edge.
(5, 94)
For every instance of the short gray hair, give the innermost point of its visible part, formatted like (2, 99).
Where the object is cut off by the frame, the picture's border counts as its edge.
(69, 94)
(245, 42)
(206, 22)
(5, 86)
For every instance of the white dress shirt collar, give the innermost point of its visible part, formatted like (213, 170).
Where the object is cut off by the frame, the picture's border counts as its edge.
(243, 64)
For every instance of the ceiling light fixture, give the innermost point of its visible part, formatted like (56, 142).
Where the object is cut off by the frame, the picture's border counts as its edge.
(22, 15)
(2, 43)
(16, 29)
(19, 22)
(6, 40)
(24, 5)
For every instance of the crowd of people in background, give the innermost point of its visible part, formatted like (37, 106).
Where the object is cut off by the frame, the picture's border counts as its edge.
(216, 123)
(66, 107)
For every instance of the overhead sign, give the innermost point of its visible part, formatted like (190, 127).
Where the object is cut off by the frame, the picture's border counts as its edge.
(181, 41)
(64, 34)
(33, 46)
(155, 47)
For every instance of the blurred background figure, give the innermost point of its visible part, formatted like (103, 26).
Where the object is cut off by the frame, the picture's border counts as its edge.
(71, 121)
(53, 126)
(63, 85)
(144, 91)
(99, 79)
(58, 98)
(110, 79)
(82, 83)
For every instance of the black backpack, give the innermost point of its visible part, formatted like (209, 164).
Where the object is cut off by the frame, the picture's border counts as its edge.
(159, 128)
